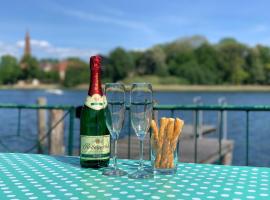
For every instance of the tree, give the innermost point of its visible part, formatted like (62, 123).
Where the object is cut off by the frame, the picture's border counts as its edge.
(255, 67)
(207, 57)
(264, 56)
(50, 77)
(231, 61)
(9, 70)
(182, 45)
(121, 63)
(31, 68)
(153, 61)
(177, 62)
(77, 72)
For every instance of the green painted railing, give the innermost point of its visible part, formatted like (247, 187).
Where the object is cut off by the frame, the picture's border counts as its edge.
(221, 109)
(72, 110)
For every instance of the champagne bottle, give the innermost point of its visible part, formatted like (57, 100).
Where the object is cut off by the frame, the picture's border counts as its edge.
(95, 137)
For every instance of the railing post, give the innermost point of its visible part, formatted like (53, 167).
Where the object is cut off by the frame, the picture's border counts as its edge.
(129, 132)
(42, 125)
(196, 136)
(71, 130)
(198, 101)
(223, 102)
(19, 121)
(247, 137)
(57, 146)
(220, 134)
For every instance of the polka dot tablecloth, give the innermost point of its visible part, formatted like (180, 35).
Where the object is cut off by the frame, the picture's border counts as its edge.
(28, 176)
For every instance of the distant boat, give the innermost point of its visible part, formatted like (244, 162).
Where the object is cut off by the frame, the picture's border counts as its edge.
(55, 91)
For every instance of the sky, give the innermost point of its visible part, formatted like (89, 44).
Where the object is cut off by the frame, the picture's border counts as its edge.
(63, 28)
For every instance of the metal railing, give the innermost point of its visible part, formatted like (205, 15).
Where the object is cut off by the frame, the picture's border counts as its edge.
(71, 111)
(221, 109)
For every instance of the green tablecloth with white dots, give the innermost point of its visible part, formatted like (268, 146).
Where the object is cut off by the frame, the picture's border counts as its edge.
(33, 176)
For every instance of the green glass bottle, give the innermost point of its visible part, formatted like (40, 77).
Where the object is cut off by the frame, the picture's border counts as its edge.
(95, 137)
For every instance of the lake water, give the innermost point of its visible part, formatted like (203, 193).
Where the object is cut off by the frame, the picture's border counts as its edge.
(259, 126)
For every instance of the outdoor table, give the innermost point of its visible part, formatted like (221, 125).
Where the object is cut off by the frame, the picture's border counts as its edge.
(34, 176)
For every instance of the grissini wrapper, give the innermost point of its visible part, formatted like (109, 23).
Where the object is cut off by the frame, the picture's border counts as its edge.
(166, 143)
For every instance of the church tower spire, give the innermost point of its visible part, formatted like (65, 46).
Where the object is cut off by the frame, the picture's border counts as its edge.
(27, 48)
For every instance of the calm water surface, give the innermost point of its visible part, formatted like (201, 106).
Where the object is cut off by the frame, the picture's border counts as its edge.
(259, 126)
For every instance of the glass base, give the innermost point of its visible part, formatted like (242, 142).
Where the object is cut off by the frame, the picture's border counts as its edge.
(165, 171)
(110, 171)
(141, 174)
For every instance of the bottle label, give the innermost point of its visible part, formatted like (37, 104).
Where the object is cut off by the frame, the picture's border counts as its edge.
(96, 102)
(95, 147)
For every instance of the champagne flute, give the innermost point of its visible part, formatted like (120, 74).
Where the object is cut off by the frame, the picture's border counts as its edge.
(114, 114)
(141, 108)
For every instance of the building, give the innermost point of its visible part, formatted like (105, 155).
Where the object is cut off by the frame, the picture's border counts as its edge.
(46, 65)
(27, 47)
(27, 50)
(62, 67)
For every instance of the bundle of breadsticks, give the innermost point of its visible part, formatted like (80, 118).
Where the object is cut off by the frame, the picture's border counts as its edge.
(164, 141)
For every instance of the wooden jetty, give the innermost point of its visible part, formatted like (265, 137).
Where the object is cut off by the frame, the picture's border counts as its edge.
(188, 130)
(207, 149)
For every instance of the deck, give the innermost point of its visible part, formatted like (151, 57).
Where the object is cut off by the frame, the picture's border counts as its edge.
(207, 148)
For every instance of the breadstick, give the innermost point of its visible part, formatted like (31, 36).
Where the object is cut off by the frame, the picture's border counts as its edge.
(163, 125)
(166, 144)
(177, 132)
(155, 130)
(154, 136)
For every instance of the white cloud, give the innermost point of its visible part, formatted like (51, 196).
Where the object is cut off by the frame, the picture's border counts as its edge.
(109, 15)
(35, 43)
(260, 28)
(8, 49)
(43, 48)
(61, 52)
(110, 20)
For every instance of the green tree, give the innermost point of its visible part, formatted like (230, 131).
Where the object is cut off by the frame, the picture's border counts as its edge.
(264, 56)
(50, 77)
(137, 57)
(31, 68)
(182, 63)
(207, 57)
(232, 61)
(77, 72)
(121, 63)
(187, 44)
(153, 61)
(106, 69)
(9, 70)
(255, 67)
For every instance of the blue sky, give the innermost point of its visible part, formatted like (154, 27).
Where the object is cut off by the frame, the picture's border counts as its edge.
(62, 28)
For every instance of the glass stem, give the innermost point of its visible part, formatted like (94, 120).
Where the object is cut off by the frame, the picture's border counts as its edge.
(141, 155)
(115, 154)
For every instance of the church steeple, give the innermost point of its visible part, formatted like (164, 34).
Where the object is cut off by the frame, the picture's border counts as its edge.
(27, 48)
